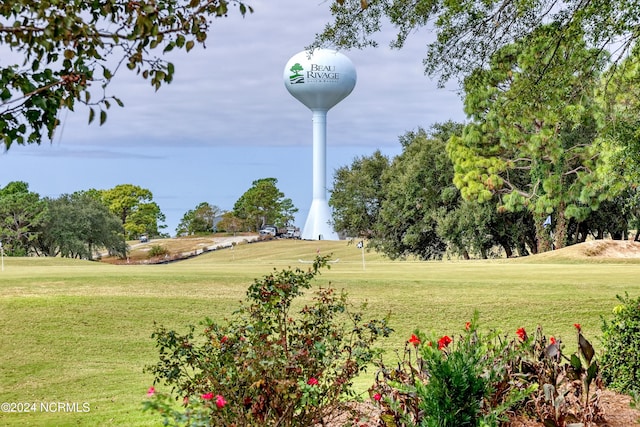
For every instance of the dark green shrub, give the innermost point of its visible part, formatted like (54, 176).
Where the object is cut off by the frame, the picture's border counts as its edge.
(621, 347)
(267, 366)
(157, 250)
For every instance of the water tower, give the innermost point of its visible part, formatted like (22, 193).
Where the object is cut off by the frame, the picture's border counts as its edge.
(319, 79)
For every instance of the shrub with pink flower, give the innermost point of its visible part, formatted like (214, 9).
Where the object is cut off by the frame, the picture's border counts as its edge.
(220, 402)
(255, 369)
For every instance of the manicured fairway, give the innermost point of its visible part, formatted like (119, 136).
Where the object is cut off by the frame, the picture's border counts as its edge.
(75, 336)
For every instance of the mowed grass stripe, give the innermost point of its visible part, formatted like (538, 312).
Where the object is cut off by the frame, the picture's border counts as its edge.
(75, 331)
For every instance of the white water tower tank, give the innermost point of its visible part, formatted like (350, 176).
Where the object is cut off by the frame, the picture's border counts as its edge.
(319, 79)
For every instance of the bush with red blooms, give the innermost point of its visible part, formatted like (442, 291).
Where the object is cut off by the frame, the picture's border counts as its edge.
(486, 380)
(268, 366)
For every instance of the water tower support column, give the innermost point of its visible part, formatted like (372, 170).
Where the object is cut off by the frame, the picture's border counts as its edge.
(317, 226)
(319, 154)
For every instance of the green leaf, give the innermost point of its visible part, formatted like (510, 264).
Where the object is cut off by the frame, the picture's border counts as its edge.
(591, 373)
(103, 117)
(576, 363)
(92, 115)
(5, 94)
(586, 349)
(189, 45)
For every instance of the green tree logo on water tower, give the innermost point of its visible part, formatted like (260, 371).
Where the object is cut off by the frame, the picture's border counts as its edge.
(296, 77)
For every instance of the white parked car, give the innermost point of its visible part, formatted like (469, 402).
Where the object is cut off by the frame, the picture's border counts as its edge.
(268, 230)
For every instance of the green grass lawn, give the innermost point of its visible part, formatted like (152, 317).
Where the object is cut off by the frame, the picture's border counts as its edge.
(79, 332)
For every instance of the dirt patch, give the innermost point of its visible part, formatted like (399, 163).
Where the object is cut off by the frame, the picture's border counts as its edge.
(611, 249)
(176, 249)
(617, 412)
(605, 250)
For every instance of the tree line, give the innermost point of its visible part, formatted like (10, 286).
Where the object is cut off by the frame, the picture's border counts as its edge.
(88, 222)
(263, 203)
(549, 155)
(412, 206)
(75, 225)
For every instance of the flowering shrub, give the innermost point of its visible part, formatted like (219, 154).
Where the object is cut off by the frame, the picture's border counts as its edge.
(456, 382)
(485, 380)
(267, 366)
(621, 344)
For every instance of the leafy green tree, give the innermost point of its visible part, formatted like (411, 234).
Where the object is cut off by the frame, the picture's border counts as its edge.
(230, 223)
(619, 93)
(469, 32)
(21, 212)
(199, 220)
(135, 207)
(537, 152)
(417, 184)
(78, 225)
(357, 195)
(65, 53)
(264, 203)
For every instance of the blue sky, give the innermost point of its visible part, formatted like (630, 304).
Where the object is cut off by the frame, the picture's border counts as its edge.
(227, 119)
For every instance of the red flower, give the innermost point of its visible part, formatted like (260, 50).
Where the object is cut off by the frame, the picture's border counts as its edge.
(577, 326)
(414, 340)
(207, 396)
(443, 342)
(220, 402)
(223, 339)
(552, 340)
(522, 334)
(151, 391)
(467, 325)
(377, 397)
(312, 381)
